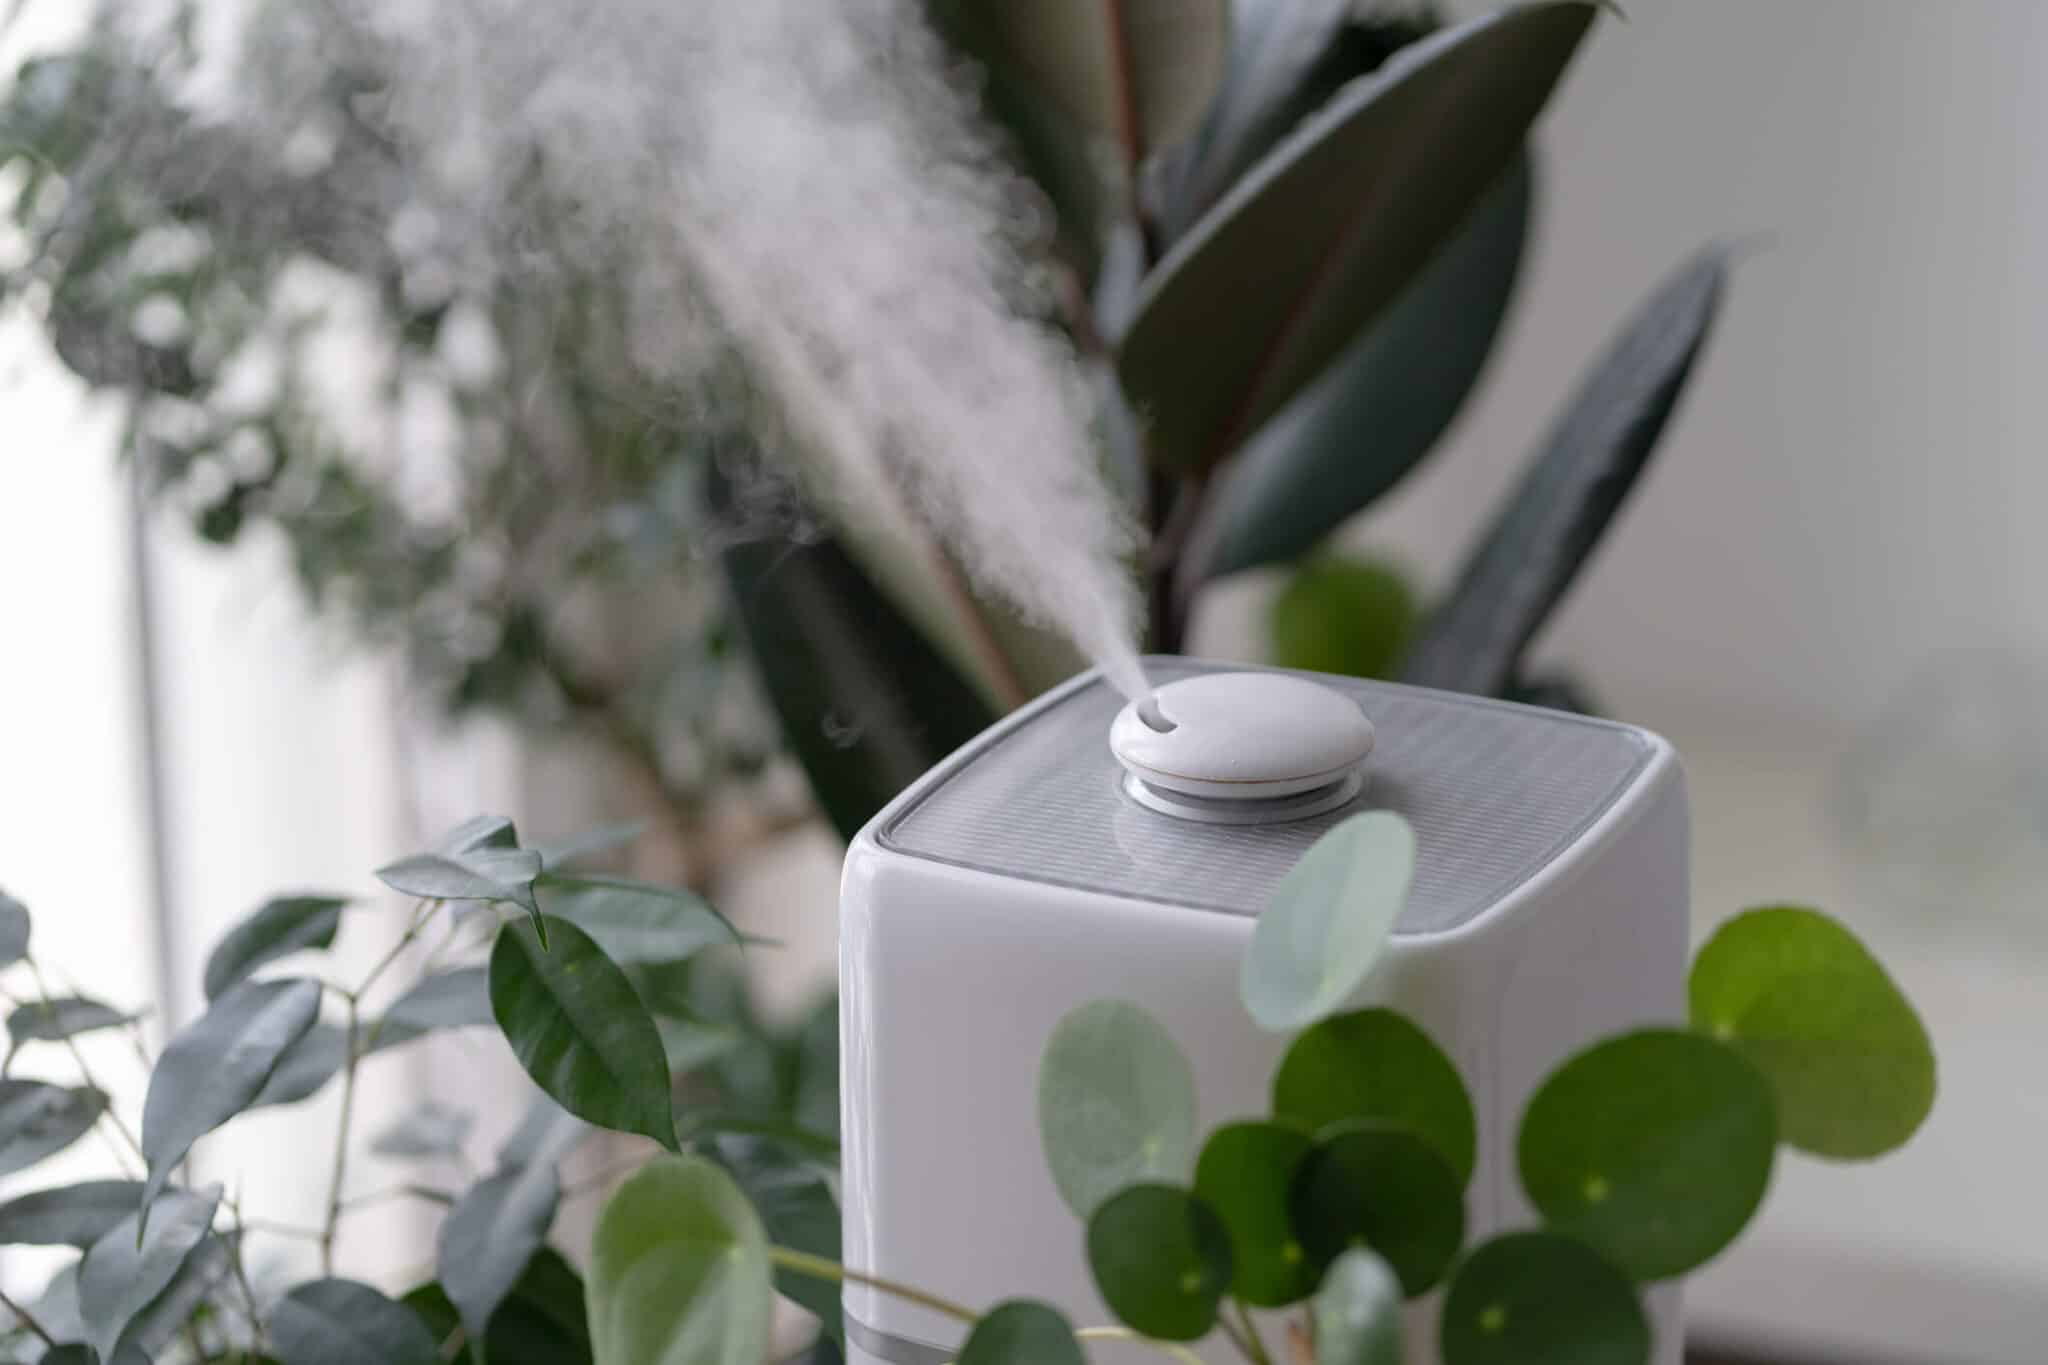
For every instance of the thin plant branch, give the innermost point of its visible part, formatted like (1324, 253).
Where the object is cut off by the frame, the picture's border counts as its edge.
(820, 1268)
(28, 1320)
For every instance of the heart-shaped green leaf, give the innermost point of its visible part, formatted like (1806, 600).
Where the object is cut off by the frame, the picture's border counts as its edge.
(1357, 1312)
(1378, 1186)
(1328, 921)
(678, 1270)
(69, 1215)
(14, 930)
(127, 1267)
(277, 928)
(217, 1065)
(1797, 994)
(491, 1234)
(1021, 1332)
(1338, 614)
(65, 1017)
(341, 1322)
(1329, 228)
(578, 1027)
(1379, 407)
(1116, 1103)
(1551, 521)
(1246, 1173)
(1540, 1298)
(38, 1119)
(636, 921)
(1161, 1259)
(1654, 1147)
(1375, 1064)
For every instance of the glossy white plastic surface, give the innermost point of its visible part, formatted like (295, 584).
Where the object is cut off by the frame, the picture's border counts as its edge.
(1239, 736)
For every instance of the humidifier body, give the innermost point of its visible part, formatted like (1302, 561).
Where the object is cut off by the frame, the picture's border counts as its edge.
(1020, 879)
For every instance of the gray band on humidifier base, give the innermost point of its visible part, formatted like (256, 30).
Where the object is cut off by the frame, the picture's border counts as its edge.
(887, 1346)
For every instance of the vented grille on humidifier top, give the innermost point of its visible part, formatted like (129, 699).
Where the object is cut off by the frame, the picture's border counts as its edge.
(1494, 792)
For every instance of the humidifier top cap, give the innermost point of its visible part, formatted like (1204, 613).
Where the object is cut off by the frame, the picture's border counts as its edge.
(1242, 736)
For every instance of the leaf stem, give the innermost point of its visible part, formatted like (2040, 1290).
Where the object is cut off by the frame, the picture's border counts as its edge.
(1251, 1333)
(1172, 1348)
(28, 1320)
(820, 1268)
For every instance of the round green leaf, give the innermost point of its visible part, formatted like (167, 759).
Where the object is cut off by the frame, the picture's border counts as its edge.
(340, 1322)
(1357, 1312)
(1375, 1064)
(1245, 1173)
(1116, 1103)
(1021, 1332)
(578, 1027)
(1161, 1259)
(1539, 1298)
(1328, 921)
(277, 928)
(1847, 1058)
(678, 1270)
(1377, 1186)
(1655, 1147)
(1343, 615)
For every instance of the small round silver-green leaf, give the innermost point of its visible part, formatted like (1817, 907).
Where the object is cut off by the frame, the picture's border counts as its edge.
(1246, 1172)
(1541, 1298)
(1021, 1332)
(1847, 1058)
(1161, 1259)
(679, 1270)
(341, 1322)
(1376, 1064)
(1375, 1185)
(1357, 1312)
(1328, 921)
(1654, 1147)
(1116, 1103)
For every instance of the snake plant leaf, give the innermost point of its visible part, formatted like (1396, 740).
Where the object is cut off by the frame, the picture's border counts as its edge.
(130, 1265)
(678, 1270)
(1331, 225)
(1552, 520)
(1357, 1312)
(14, 930)
(1379, 407)
(1328, 921)
(277, 928)
(1541, 1298)
(217, 1065)
(1116, 1103)
(66, 1016)
(341, 1322)
(68, 1215)
(866, 703)
(1021, 1332)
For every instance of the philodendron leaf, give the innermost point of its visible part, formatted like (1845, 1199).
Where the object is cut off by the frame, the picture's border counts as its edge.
(1245, 1173)
(1540, 1298)
(636, 921)
(578, 1027)
(129, 1266)
(1328, 921)
(1654, 1147)
(1378, 408)
(65, 1017)
(1379, 1186)
(38, 1119)
(1357, 1312)
(1375, 1064)
(1796, 993)
(341, 1322)
(217, 1065)
(1161, 1260)
(431, 1131)
(1328, 229)
(1551, 521)
(490, 1235)
(678, 1270)
(1343, 615)
(1116, 1103)
(68, 1215)
(14, 930)
(1021, 1332)
(278, 928)
(1155, 61)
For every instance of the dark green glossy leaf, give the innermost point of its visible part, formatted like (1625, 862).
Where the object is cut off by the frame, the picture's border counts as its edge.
(1328, 921)
(38, 1119)
(1357, 1312)
(795, 1204)
(65, 1017)
(217, 1065)
(429, 1132)
(1021, 1332)
(867, 705)
(278, 928)
(127, 1268)
(578, 1027)
(1379, 407)
(1245, 1173)
(1343, 615)
(678, 1270)
(1538, 1298)
(1161, 1259)
(68, 1215)
(1550, 522)
(1654, 1147)
(1847, 1058)
(14, 930)
(341, 1322)
(1332, 225)
(491, 1234)
(1116, 1103)
(1375, 1064)
(636, 921)
(541, 1322)
(1378, 1186)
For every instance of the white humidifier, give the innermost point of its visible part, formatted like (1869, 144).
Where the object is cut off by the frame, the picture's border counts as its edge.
(1040, 868)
